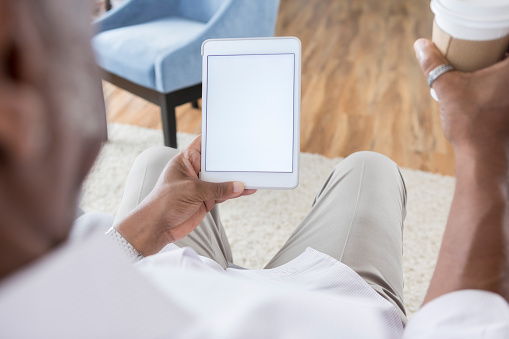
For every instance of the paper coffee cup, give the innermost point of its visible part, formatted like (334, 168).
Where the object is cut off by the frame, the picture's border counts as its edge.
(471, 34)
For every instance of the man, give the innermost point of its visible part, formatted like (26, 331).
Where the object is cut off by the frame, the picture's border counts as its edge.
(339, 274)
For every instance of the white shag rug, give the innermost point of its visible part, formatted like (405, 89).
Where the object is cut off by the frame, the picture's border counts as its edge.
(257, 226)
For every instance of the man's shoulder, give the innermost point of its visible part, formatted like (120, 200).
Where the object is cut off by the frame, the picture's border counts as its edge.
(84, 289)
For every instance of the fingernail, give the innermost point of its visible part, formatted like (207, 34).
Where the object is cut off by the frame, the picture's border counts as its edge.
(419, 47)
(238, 187)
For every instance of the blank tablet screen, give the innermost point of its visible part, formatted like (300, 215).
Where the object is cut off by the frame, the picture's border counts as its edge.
(249, 121)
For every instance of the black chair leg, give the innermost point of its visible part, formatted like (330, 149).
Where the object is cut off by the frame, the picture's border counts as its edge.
(105, 133)
(194, 103)
(169, 121)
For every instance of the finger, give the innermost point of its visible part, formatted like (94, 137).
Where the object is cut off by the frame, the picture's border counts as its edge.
(195, 144)
(181, 231)
(249, 191)
(219, 191)
(429, 57)
(497, 69)
(191, 163)
(246, 192)
(193, 154)
(209, 205)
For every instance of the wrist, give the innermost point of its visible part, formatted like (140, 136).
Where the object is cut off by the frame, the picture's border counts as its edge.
(140, 229)
(490, 161)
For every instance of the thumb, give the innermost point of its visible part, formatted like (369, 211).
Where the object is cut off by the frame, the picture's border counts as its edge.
(429, 57)
(220, 191)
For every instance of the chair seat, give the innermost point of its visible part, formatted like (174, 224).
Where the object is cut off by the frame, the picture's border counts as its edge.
(133, 52)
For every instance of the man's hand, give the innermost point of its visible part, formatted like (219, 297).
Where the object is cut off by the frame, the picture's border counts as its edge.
(474, 108)
(177, 204)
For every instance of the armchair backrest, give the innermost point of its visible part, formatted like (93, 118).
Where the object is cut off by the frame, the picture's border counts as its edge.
(200, 10)
(244, 19)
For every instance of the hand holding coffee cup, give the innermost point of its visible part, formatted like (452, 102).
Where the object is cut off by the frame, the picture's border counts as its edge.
(471, 34)
(473, 106)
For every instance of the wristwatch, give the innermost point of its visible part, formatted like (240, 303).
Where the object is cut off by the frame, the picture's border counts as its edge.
(132, 254)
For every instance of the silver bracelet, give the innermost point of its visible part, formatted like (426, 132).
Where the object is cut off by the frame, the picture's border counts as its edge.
(126, 247)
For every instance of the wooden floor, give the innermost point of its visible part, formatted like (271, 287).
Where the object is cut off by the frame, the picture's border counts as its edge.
(362, 88)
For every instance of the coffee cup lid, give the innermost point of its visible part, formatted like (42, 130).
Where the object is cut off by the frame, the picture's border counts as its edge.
(472, 19)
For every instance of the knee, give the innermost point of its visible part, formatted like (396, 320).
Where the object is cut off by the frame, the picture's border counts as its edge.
(153, 159)
(156, 154)
(374, 165)
(368, 158)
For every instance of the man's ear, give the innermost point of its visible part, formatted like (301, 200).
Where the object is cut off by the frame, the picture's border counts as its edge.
(20, 115)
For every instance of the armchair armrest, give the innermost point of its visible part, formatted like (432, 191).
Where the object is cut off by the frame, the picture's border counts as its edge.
(134, 12)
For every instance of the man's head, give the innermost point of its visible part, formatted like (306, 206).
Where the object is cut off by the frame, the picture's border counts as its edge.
(51, 122)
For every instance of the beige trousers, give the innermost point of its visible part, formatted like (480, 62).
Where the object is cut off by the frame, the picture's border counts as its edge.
(356, 218)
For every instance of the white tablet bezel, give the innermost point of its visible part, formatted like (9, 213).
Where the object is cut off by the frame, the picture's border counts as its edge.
(279, 45)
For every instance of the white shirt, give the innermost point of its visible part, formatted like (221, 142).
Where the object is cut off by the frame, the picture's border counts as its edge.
(89, 290)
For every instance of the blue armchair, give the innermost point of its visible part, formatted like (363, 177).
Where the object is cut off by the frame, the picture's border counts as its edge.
(152, 48)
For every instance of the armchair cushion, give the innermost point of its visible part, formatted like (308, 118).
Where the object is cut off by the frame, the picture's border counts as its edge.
(131, 51)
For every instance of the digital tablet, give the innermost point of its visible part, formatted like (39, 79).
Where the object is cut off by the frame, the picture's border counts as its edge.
(251, 112)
